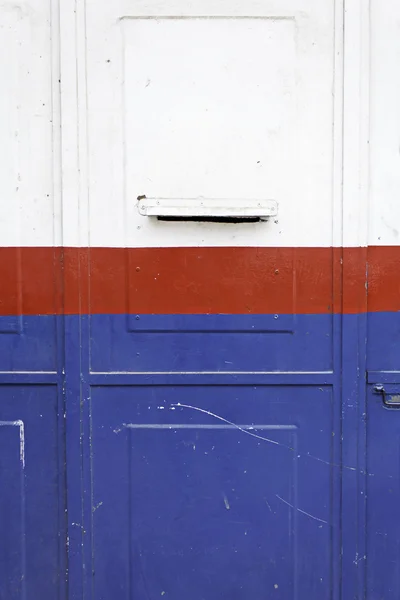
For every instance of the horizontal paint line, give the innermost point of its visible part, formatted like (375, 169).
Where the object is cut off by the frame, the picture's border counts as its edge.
(212, 378)
(197, 281)
(205, 426)
(29, 378)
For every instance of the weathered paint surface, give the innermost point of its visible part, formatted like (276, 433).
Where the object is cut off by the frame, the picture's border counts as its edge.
(190, 409)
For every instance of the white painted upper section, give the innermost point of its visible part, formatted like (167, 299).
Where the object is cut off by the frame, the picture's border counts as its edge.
(213, 98)
(209, 107)
(29, 212)
(384, 226)
(220, 100)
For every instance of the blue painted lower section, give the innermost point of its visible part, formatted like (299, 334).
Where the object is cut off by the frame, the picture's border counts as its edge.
(192, 505)
(383, 493)
(200, 342)
(202, 486)
(33, 347)
(303, 344)
(383, 348)
(32, 494)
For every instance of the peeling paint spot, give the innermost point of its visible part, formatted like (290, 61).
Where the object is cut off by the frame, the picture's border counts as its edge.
(226, 502)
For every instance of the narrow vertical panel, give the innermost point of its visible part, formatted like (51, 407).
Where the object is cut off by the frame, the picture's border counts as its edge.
(384, 229)
(27, 216)
(355, 188)
(382, 557)
(26, 120)
(384, 211)
(12, 28)
(12, 511)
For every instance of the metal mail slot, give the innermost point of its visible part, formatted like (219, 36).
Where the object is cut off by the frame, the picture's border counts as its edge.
(207, 207)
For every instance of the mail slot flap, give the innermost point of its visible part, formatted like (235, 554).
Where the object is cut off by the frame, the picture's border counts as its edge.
(207, 207)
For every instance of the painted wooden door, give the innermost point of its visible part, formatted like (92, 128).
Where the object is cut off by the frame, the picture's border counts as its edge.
(211, 349)
(381, 483)
(184, 406)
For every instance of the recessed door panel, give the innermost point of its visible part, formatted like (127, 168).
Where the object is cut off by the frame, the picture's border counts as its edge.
(213, 491)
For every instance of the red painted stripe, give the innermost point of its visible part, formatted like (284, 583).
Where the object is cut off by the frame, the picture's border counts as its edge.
(197, 280)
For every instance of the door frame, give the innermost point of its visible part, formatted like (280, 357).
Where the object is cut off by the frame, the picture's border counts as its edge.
(350, 238)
